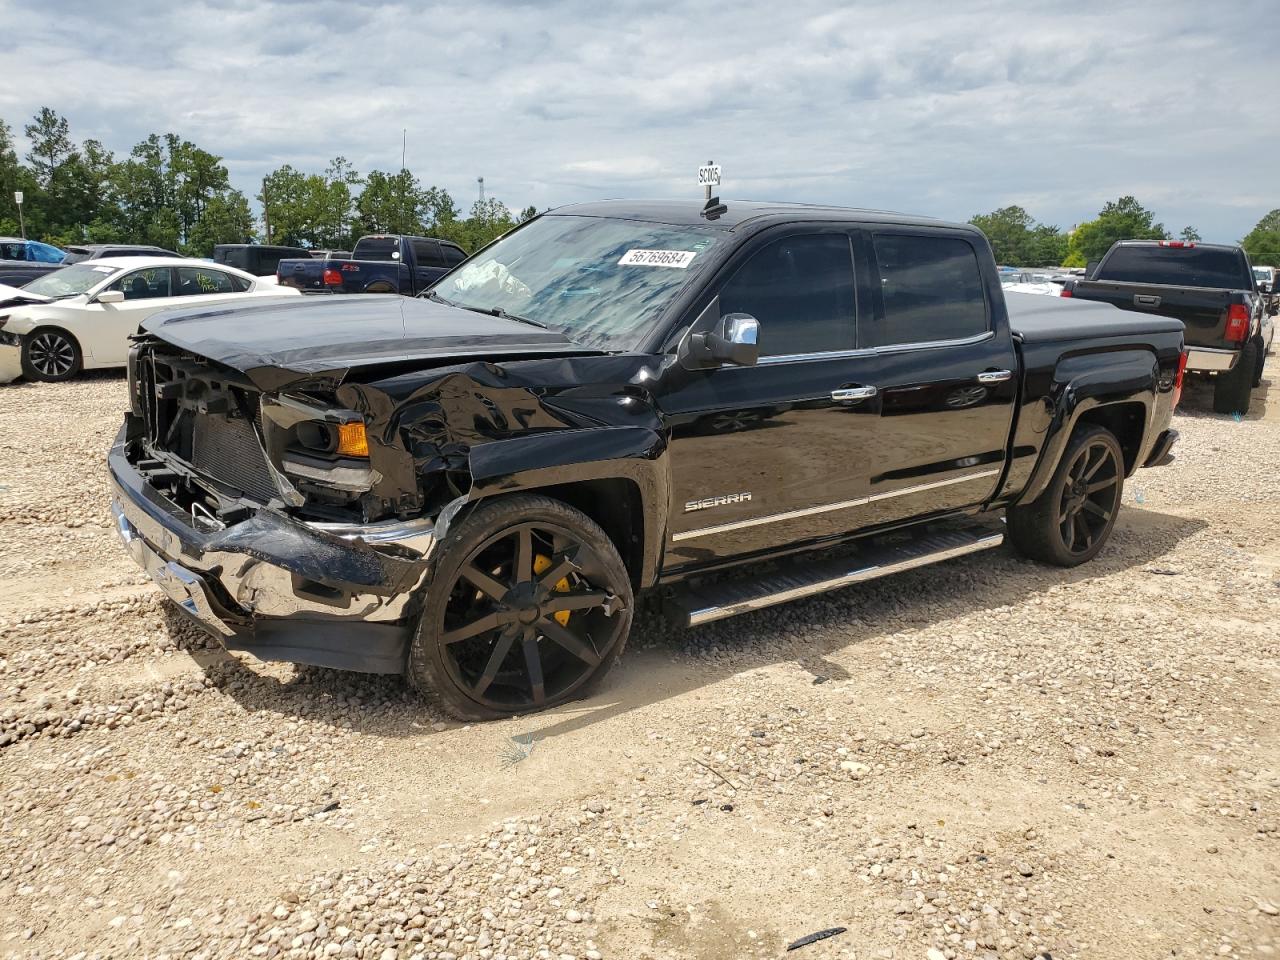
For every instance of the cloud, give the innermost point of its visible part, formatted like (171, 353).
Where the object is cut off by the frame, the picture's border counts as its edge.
(928, 106)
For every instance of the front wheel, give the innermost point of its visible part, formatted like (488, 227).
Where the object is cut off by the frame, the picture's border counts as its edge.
(529, 605)
(1071, 521)
(50, 355)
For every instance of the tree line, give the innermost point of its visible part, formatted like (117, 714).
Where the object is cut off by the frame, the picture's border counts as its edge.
(1017, 239)
(171, 193)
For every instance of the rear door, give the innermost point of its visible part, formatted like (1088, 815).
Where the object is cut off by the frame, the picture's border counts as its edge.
(947, 375)
(429, 264)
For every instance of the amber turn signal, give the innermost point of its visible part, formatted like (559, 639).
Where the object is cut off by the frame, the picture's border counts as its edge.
(352, 441)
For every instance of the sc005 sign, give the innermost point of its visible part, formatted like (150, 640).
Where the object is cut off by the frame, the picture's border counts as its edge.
(709, 176)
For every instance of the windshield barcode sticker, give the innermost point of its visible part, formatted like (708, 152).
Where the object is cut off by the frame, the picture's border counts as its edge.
(680, 259)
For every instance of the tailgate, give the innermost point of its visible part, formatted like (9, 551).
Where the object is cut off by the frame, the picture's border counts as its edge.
(1203, 310)
(302, 274)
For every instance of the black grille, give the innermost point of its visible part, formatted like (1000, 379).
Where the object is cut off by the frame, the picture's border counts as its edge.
(228, 451)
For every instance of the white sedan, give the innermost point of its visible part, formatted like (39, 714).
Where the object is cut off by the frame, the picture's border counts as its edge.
(81, 317)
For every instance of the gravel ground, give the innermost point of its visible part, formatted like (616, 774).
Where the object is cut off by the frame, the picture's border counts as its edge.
(987, 758)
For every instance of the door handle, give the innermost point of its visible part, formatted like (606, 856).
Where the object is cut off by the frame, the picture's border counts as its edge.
(1145, 300)
(853, 393)
(995, 376)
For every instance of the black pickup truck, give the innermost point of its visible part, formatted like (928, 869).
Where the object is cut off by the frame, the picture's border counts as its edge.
(378, 264)
(1209, 287)
(473, 487)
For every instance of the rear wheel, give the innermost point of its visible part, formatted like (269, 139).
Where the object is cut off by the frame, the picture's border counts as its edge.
(528, 607)
(1262, 362)
(1072, 520)
(50, 355)
(1233, 390)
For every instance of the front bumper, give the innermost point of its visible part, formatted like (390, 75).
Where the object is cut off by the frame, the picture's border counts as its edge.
(331, 595)
(1211, 359)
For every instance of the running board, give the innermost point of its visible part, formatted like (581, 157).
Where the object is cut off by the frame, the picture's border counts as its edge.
(693, 606)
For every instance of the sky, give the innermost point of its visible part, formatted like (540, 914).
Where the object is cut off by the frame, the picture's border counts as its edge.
(933, 107)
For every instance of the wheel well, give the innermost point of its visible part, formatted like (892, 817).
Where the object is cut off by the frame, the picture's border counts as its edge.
(1127, 421)
(614, 504)
(56, 329)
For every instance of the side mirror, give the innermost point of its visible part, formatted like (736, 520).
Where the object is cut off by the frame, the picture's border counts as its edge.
(110, 296)
(736, 340)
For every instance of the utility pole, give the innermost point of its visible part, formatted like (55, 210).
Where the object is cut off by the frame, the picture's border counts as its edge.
(404, 145)
(266, 214)
(480, 181)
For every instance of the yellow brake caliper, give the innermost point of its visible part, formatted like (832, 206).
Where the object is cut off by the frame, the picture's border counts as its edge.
(541, 564)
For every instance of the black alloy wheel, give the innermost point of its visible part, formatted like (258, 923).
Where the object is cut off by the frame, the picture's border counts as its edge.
(1072, 519)
(50, 355)
(529, 606)
(1088, 501)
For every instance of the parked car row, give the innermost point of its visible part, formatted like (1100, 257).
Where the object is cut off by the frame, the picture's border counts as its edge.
(81, 317)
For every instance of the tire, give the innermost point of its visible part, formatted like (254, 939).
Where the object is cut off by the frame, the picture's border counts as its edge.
(1262, 362)
(1073, 518)
(528, 607)
(50, 355)
(1232, 390)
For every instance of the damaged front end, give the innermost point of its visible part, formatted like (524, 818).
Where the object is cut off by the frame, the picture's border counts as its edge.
(270, 518)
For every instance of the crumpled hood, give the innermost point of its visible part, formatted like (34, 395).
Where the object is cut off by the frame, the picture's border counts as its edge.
(319, 340)
(16, 296)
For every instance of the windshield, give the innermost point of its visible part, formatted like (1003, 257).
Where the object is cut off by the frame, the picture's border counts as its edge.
(1262, 273)
(70, 281)
(600, 282)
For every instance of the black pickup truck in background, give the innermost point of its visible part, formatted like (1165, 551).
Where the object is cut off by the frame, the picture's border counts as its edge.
(382, 263)
(472, 487)
(1209, 287)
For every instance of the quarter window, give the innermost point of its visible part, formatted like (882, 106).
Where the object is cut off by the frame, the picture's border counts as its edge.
(932, 289)
(801, 291)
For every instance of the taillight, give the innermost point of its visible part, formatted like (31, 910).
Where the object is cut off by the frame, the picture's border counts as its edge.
(1177, 379)
(1066, 292)
(1177, 244)
(1237, 322)
(332, 278)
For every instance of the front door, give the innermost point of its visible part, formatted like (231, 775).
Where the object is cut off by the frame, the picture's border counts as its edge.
(768, 455)
(145, 291)
(947, 377)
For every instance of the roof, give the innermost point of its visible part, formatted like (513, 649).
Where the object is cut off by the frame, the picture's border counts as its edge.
(113, 246)
(738, 213)
(143, 263)
(1177, 243)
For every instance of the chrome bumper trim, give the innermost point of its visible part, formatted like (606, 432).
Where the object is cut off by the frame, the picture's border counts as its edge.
(828, 507)
(182, 586)
(1211, 359)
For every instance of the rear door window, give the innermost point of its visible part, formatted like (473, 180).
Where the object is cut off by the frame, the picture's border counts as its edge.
(198, 281)
(931, 288)
(452, 255)
(1177, 267)
(427, 253)
(801, 290)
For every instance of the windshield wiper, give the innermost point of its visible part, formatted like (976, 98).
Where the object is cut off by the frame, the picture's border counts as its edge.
(499, 312)
(432, 295)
